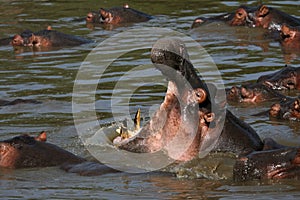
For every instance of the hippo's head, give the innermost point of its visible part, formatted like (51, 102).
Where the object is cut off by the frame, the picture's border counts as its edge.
(93, 17)
(243, 94)
(23, 39)
(13, 150)
(288, 109)
(268, 164)
(286, 78)
(26, 151)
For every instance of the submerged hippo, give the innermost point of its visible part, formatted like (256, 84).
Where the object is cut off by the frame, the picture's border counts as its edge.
(47, 38)
(117, 15)
(238, 18)
(286, 78)
(274, 162)
(267, 17)
(25, 151)
(290, 39)
(287, 109)
(252, 93)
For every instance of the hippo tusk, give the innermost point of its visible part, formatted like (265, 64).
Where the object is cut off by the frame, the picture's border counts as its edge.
(137, 120)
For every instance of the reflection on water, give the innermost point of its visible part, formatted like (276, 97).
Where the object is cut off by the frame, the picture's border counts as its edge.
(241, 54)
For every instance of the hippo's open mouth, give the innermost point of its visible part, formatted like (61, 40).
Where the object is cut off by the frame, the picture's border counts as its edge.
(183, 117)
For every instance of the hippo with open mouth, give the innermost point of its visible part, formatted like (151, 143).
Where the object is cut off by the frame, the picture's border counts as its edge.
(187, 111)
(187, 100)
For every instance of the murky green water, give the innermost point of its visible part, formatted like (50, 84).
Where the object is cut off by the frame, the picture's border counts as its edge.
(48, 76)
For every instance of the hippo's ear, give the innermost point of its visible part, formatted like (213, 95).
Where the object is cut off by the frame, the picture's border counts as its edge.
(240, 13)
(200, 94)
(42, 137)
(4, 147)
(105, 14)
(263, 11)
(287, 31)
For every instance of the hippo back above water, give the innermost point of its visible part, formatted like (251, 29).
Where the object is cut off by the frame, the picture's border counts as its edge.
(25, 151)
(266, 17)
(117, 15)
(47, 38)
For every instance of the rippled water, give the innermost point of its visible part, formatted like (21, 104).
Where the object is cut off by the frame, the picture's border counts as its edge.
(240, 53)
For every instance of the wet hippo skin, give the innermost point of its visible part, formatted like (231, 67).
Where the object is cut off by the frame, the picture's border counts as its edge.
(25, 151)
(286, 78)
(288, 109)
(236, 136)
(47, 38)
(252, 93)
(117, 15)
(266, 16)
(274, 162)
(238, 18)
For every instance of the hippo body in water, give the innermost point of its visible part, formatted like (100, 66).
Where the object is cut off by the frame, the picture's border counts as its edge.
(274, 162)
(25, 151)
(288, 78)
(47, 38)
(238, 18)
(252, 93)
(286, 109)
(117, 15)
(267, 17)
